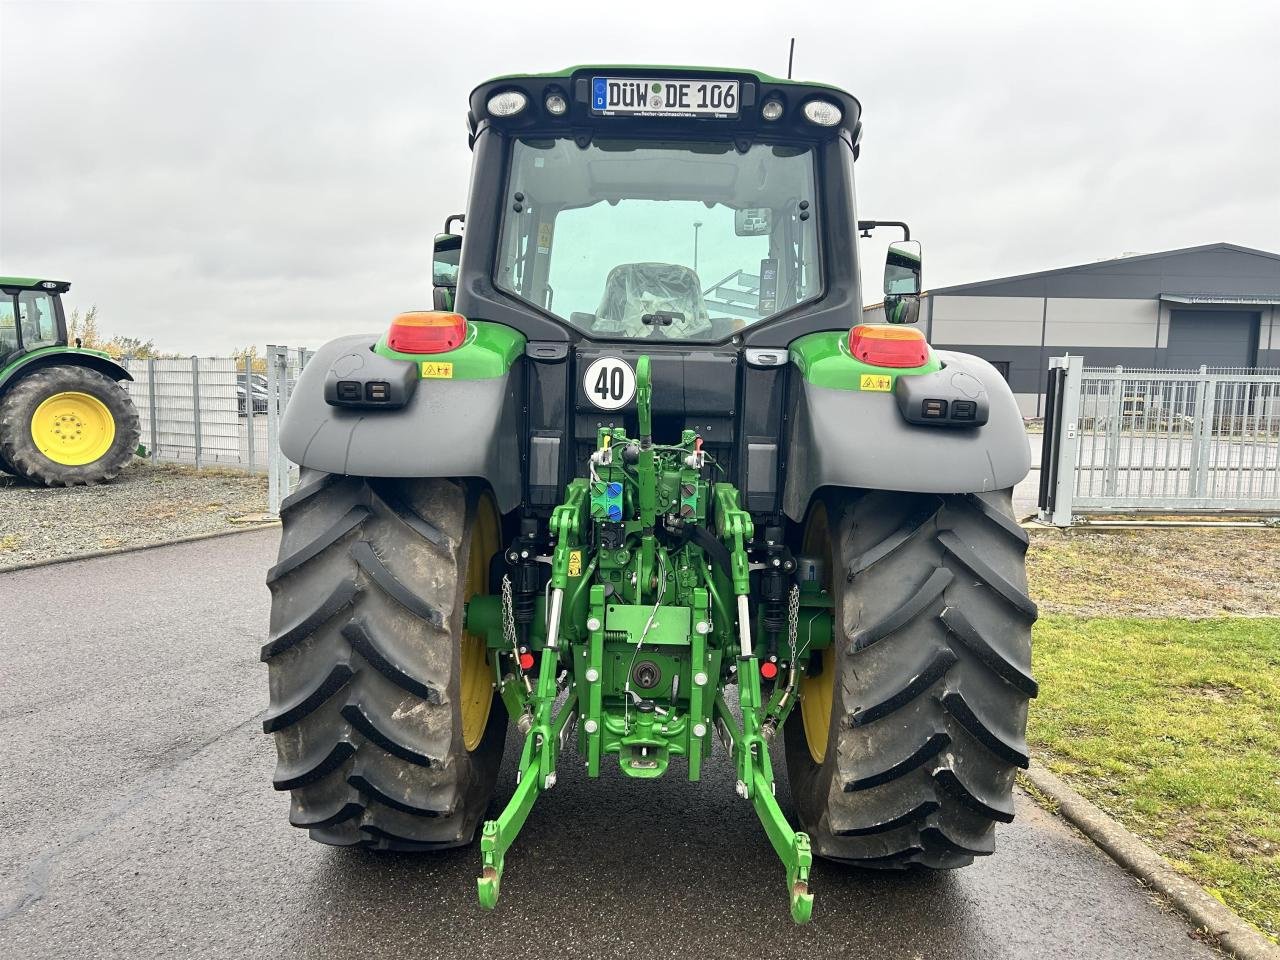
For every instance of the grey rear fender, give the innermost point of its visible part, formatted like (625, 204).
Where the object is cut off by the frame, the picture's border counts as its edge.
(851, 438)
(448, 428)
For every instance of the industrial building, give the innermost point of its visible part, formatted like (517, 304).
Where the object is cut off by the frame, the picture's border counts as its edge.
(1216, 305)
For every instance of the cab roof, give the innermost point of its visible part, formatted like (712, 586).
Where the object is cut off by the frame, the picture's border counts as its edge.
(573, 84)
(31, 283)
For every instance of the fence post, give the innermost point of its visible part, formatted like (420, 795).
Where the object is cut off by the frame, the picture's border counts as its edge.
(151, 397)
(1068, 442)
(277, 384)
(1115, 428)
(1206, 417)
(248, 411)
(195, 406)
(1049, 441)
(292, 370)
(1199, 438)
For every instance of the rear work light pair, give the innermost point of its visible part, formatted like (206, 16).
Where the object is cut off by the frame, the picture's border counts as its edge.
(510, 102)
(427, 331)
(888, 346)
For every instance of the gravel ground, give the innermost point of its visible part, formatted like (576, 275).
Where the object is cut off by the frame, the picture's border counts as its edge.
(1193, 572)
(146, 504)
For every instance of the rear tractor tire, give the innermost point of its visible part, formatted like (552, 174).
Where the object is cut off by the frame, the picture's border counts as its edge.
(388, 732)
(912, 724)
(66, 426)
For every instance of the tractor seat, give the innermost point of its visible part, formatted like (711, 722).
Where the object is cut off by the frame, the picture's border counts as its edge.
(635, 290)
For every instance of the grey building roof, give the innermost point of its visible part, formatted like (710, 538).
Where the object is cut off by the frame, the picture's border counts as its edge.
(1222, 269)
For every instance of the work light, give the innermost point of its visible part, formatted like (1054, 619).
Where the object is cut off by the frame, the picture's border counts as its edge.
(822, 112)
(507, 103)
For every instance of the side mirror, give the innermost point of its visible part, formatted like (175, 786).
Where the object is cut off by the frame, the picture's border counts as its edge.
(444, 270)
(902, 282)
(444, 261)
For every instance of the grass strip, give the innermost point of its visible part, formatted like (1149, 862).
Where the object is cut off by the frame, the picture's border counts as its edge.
(1173, 727)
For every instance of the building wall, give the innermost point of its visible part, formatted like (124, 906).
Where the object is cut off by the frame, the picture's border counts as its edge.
(1105, 324)
(1016, 321)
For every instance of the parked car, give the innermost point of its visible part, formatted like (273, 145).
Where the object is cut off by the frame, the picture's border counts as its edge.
(259, 396)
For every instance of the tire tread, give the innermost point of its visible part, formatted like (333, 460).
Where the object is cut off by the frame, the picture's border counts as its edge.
(366, 606)
(930, 702)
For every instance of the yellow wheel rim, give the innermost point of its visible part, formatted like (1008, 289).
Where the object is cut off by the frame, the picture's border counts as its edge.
(816, 692)
(73, 429)
(477, 674)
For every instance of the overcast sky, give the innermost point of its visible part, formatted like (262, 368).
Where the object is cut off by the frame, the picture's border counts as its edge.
(213, 174)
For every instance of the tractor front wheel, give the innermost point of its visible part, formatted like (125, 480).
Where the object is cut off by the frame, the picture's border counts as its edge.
(912, 724)
(387, 728)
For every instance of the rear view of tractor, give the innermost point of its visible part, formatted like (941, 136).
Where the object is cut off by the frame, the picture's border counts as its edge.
(64, 418)
(644, 486)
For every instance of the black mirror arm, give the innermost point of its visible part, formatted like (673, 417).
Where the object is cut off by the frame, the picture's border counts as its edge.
(462, 218)
(866, 226)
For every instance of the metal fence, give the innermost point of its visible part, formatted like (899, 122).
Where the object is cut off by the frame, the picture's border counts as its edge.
(1126, 440)
(218, 411)
(284, 364)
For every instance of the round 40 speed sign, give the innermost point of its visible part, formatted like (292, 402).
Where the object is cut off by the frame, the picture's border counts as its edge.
(609, 383)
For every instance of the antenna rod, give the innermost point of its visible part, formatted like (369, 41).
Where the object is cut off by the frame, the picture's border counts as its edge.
(791, 56)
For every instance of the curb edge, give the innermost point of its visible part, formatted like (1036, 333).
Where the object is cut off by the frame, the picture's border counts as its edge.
(135, 548)
(1235, 934)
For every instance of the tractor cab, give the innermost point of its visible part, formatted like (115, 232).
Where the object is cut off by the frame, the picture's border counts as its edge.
(702, 217)
(645, 204)
(30, 316)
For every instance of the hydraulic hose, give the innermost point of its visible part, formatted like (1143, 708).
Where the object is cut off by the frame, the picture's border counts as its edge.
(713, 547)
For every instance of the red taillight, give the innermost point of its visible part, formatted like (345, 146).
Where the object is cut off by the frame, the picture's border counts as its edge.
(427, 331)
(882, 345)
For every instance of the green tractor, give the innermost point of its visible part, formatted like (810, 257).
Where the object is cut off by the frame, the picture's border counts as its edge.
(643, 482)
(64, 418)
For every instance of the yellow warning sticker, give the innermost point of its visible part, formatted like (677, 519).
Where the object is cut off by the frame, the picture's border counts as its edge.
(544, 238)
(575, 563)
(437, 370)
(876, 381)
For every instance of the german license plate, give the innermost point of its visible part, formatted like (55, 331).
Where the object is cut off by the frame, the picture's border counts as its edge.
(635, 97)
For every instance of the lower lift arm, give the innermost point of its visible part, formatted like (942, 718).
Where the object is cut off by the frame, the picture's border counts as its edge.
(542, 743)
(750, 746)
(537, 774)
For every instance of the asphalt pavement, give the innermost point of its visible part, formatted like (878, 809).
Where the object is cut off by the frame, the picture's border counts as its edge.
(137, 819)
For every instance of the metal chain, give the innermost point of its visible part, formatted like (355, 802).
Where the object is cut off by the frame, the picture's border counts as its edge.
(793, 621)
(508, 614)
(509, 633)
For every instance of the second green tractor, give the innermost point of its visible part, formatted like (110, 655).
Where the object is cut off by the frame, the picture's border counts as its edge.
(65, 418)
